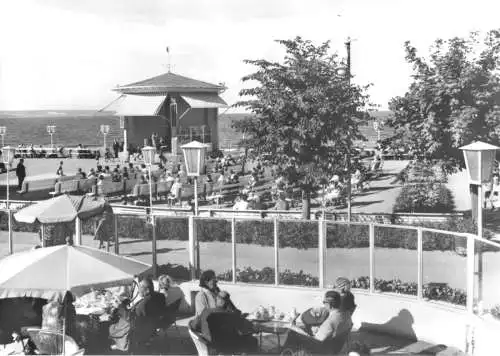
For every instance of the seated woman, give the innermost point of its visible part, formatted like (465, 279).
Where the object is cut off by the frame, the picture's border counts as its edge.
(331, 335)
(207, 296)
(119, 330)
(209, 292)
(226, 331)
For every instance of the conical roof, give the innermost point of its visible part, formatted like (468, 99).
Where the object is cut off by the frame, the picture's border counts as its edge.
(168, 82)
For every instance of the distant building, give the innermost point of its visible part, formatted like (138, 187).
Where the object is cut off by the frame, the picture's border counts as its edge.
(177, 108)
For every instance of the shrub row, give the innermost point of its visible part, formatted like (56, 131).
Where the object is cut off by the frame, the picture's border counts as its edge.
(431, 291)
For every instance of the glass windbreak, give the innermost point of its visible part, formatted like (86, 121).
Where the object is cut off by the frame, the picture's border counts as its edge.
(24, 236)
(298, 253)
(487, 279)
(255, 251)
(444, 267)
(172, 237)
(348, 254)
(395, 259)
(214, 246)
(134, 236)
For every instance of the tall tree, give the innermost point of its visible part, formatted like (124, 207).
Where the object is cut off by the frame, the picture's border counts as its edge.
(454, 98)
(304, 113)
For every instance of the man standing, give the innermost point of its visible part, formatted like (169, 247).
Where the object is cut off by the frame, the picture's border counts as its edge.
(20, 173)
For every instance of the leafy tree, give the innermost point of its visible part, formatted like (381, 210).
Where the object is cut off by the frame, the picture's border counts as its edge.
(454, 98)
(305, 115)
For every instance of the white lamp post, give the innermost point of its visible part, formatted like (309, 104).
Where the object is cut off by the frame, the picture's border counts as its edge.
(105, 132)
(194, 156)
(148, 153)
(3, 131)
(479, 158)
(51, 130)
(7, 158)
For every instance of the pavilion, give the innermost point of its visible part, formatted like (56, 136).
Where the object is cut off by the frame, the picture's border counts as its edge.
(177, 108)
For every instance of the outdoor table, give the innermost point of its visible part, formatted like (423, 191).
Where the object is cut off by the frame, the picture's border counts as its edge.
(275, 327)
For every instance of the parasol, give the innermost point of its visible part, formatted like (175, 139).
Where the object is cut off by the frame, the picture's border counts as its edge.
(64, 208)
(50, 272)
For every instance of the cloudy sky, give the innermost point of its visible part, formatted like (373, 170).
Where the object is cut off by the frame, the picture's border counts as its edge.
(68, 54)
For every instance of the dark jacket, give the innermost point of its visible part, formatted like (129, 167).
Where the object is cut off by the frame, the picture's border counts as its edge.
(148, 315)
(20, 170)
(227, 332)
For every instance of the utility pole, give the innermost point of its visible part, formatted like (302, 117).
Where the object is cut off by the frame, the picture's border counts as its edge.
(348, 156)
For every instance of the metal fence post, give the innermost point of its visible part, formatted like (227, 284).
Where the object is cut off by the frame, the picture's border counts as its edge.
(233, 244)
(276, 253)
(420, 270)
(322, 251)
(372, 257)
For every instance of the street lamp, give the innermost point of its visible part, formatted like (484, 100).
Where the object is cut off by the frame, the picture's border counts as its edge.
(479, 158)
(347, 73)
(3, 131)
(7, 158)
(51, 129)
(194, 156)
(105, 132)
(148, 153)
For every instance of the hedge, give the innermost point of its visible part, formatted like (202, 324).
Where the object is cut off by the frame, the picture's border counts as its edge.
(294, 234)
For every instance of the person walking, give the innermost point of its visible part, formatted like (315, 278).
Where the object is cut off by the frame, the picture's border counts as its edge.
(20, 173)
(104, 230)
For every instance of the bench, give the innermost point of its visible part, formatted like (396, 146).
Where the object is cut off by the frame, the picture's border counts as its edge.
(66, 187)
(37, 185)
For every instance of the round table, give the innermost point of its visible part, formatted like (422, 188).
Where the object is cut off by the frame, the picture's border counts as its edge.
(276, 327)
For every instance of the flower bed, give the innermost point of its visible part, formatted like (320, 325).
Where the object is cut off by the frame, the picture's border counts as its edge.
(431, 291)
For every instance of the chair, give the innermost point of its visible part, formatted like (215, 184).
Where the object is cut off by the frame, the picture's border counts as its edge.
(49, 342)
(201, 344)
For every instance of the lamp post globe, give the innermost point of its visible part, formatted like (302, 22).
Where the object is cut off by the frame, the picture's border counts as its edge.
(51, 130)
(194, 157)
(148, 154)
(8, 155)
(3, 131)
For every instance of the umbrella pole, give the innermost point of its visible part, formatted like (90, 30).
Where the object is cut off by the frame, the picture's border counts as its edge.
(43, 234)
(64, 332)
(78, 231)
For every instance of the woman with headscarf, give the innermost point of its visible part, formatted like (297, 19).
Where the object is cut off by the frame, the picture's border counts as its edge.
(343, 286)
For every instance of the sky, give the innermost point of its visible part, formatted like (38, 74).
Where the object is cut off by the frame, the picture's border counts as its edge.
(69, 54)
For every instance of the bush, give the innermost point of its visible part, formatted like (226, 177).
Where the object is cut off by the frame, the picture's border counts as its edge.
(424, 198)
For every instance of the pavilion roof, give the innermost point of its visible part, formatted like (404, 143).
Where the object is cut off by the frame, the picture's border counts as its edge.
(168, 82)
